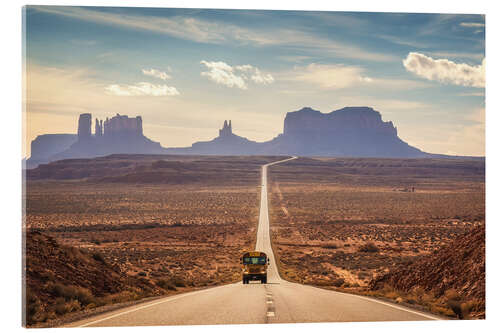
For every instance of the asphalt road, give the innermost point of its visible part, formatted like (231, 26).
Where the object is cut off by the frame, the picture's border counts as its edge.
(278, 301)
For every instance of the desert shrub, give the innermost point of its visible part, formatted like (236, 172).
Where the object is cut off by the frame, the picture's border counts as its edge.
(33, 308)
(364, 275)
(99, 257)
(454, 302)
(330, 246)
(47, 276)
(338, 282)
(166, 284)
(178, 281)
(83, 295)
(61, 306)
(59, 290)
(456, 307)
(142, 273)
(452, 295)
(124, 296)
(368, 247)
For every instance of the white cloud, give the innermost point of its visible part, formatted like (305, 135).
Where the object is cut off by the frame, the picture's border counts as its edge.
(258, 77)
(236, 76)
(156, 73)
(472, 25)
(222, 73)
(445, 71)
(141, 89)
(244, 68)
(330, 77)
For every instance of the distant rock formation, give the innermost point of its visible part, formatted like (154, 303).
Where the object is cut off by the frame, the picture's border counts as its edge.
(98, 128)
(84, 127)
(227, 143)
(117, 135)
(351, 131)
(120, 126)
(348, 132)
(227, 129)
(47, 145)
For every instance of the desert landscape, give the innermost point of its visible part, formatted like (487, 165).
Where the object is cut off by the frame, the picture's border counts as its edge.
(345, 223)
(174, 223)
(161, 144)
(168, 224)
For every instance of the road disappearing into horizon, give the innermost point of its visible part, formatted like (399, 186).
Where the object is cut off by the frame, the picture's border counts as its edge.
(278, 301)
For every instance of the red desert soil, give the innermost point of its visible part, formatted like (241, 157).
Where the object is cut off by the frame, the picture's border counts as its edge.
(458, 267)
(341, 222)
(61, 279)
(168, 222)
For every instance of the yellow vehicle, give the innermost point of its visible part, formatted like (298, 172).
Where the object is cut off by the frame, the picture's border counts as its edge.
(254, 266)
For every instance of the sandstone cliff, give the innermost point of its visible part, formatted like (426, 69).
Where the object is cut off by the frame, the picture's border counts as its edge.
(47, 145)
(117, 135)
(351, 131)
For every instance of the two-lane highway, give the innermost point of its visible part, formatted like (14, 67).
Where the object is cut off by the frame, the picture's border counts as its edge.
(278, 301)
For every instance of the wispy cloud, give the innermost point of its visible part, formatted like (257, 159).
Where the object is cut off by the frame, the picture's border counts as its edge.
(472, 25)
(457, 55)
(475, 94)
(214, 32)
(403, 41)
(83, 42)
(237, 76)
(445, 71)
(141, 89)
(156, 73)
(329, 77)
(339, 76)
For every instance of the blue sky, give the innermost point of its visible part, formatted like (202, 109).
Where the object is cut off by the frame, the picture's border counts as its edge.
(186, 70)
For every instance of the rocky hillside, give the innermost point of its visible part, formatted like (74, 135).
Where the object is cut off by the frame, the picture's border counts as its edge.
(62, 279)
(456, 272)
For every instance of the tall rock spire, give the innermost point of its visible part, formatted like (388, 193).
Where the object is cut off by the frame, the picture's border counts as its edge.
(226, 129)
(84, 126)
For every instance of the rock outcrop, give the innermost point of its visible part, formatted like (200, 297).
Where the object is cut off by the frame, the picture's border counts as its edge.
(227, 143)
(348, 132)
(117, 135)
(226, 130)
(123, 126)
(47, 145)
(84, 127)
(351, 131)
